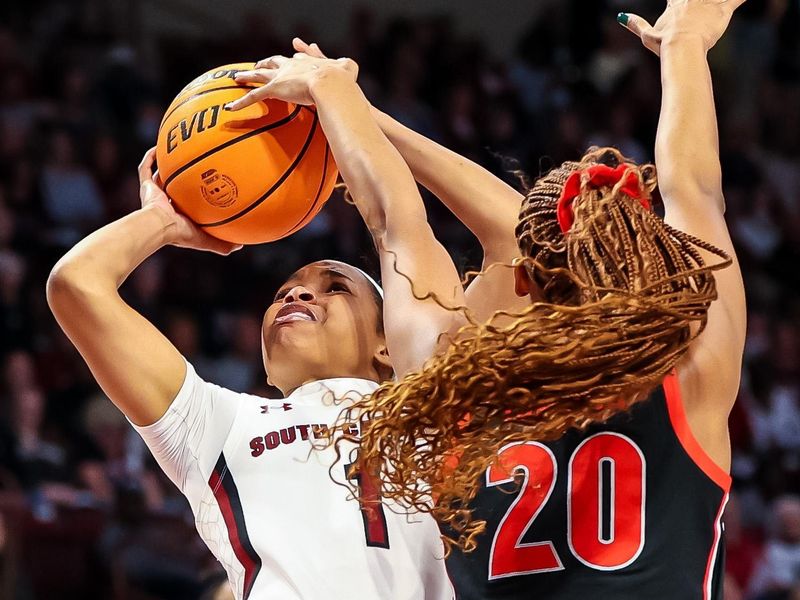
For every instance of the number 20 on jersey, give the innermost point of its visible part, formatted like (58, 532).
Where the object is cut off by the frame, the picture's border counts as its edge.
(605, 505)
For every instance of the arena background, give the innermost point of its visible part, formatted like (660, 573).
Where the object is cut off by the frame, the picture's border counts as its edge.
(84, 513)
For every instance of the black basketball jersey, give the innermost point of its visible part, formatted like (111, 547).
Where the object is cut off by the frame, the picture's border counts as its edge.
(629, 509)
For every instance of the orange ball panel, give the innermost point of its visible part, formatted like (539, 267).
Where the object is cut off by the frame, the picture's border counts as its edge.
(219, 77)
(263, 187)
(248, 176)
(247, 169)
(292, 205)
(202, 125)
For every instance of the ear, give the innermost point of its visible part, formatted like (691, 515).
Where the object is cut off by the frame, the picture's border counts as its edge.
(522, 281)
(382, 363)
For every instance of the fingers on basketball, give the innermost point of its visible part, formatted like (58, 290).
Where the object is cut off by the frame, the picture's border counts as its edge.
(254, 76)
(251, 97)
(146, 166)
(273, 62)
(147, 192)
(216, 245)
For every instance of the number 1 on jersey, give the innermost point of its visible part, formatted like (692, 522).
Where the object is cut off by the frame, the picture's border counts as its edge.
(375, 530)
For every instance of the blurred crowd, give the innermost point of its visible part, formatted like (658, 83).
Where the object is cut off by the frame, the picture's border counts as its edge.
(85, 513)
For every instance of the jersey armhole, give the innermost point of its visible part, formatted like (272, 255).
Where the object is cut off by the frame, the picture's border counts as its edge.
(175, 404)
(680, 425)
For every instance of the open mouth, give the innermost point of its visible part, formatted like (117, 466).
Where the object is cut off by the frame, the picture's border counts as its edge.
(293, 312)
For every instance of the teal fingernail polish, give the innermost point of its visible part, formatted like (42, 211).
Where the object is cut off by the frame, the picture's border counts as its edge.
(622, 18)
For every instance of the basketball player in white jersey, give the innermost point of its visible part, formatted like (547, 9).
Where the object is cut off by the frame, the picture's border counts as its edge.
(264, 503)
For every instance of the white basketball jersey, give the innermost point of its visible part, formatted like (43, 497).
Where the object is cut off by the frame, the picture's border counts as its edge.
(266, 506)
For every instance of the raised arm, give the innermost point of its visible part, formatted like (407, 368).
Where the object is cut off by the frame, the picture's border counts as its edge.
(488, 206)
(485, 204)
(689, 174)
(137, 367)
(385, 194)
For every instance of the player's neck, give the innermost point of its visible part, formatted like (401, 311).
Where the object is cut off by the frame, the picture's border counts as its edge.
(368, 374)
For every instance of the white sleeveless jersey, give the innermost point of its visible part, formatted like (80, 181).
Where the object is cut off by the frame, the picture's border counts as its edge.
(266, 506)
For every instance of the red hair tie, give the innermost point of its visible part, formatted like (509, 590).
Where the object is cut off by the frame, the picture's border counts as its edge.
(599, 175)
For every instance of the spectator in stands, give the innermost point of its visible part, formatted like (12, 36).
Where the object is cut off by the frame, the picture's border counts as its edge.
(14, 581)
(778, 573)
(743, 548)
(71, 198)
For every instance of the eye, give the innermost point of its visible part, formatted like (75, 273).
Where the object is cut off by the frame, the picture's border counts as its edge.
(338, 287)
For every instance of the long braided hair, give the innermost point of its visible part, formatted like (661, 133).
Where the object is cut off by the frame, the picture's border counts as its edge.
(619, 295)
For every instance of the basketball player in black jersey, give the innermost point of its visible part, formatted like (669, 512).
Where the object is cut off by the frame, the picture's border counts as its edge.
(628, 360)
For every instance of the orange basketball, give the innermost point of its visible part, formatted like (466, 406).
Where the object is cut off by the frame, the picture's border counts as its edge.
(250, 176)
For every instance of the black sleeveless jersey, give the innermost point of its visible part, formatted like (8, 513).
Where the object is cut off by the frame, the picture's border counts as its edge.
(629, 509)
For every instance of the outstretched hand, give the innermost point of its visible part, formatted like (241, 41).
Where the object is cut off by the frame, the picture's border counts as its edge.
(290, 79)
(182, 232)
(705, 19)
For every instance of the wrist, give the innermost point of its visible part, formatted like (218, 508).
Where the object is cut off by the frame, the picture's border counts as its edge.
(329, 80)
(387, 123)
(684, 39)
(164, 221)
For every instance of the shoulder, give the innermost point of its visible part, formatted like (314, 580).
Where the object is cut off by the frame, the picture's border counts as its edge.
(198, 397)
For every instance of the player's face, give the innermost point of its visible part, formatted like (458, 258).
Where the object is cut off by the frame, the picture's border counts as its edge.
(323, 323)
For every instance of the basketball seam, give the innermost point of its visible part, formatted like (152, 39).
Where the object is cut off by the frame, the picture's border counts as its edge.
(229, 143)
(319, 193)
(277, 184)
(197, 95)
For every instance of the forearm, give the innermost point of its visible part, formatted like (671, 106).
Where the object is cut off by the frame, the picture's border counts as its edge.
(687, 143)
(136, 366)
(485, 204)
(105, 258)
(376, 175)
(387, 197)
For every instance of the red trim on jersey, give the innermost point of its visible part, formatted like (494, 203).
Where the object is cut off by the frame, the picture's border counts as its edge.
(714, 549)
(680, 424)
(224, 501)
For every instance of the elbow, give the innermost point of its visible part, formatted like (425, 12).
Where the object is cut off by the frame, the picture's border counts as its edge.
(391, 223)
(697, 180)
(501, 248)
(702, 197)
(402, 230)
(59, 285)
(64, 286)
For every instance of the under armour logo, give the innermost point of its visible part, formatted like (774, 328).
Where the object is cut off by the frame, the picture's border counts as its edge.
(285, 406)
